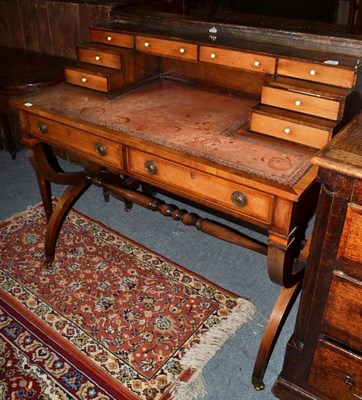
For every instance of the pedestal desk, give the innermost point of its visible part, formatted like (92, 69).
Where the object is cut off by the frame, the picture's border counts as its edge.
(223, 115)
(323, 358)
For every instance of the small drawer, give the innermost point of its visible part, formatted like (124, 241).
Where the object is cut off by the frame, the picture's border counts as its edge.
(335, 372)
(113, 38)
(343, 313)
(168, 48)
(216, 192)
(300, 102)
(95, 77)
(102, 151)
(330, 75)
(288, 130)
(238, 59)
(99, 57)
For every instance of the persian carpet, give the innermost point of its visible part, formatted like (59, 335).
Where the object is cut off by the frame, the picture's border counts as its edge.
(109, 319)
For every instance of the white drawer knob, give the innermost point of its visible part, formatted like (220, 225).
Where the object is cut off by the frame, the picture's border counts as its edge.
(256, 63)
(312, 72)
(146, 44)
(109, 38)
(287, 131)
(182, 50)
(212, 55)
(97, 58)
(84, 80)
(298, 103)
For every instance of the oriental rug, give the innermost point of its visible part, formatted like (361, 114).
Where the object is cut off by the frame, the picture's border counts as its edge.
(109, 319)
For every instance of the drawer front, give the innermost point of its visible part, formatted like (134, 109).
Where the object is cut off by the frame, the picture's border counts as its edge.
(113, 38)
(102, 151)
(86, 80)
(342, 77)
(287, 130)
(238, 59)
(169, 48)
(98, 57)
(335, 372)
(300, 102)
(216, 192)
(351, 240)
(343, 312)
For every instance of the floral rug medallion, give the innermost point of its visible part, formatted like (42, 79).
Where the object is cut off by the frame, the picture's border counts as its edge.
(137, 324)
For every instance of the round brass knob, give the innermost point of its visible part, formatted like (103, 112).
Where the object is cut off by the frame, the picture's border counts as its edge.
(101, 149)
(239, 199)
(151, 167)
(42, 127)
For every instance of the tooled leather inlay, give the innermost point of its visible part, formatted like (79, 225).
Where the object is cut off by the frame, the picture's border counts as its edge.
(184, 118)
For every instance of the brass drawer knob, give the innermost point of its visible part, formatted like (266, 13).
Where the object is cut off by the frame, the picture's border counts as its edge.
(101, 149)
(42, 127)
(239, 199)
(151, 167)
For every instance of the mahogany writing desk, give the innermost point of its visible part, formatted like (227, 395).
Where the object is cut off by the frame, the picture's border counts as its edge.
(225, 116)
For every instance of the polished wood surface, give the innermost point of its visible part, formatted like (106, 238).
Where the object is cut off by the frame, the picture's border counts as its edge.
(177, 119)
(323, 358)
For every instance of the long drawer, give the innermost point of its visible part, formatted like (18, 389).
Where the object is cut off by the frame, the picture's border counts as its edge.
(343, 313)
(238, 59)
(168, 48)
(301, 102)
(103, 151)
(216, 192)
(335, 372)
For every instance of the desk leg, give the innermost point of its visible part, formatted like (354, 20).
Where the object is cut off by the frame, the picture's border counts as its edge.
(275, 324)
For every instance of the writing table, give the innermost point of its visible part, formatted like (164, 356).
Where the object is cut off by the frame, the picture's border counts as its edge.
(222, 119)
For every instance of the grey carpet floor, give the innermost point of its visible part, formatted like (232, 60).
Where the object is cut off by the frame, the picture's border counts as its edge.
(228, 374)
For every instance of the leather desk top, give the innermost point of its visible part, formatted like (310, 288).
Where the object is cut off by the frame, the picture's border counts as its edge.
(184, 118)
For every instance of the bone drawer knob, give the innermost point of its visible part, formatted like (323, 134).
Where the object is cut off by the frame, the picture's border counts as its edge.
(109, 38)
(97, 58)
(298, 103)
(84, 80)
(287, 131)
(182, 50)
(256, 63)
(212, 55)
(146, 44)
(312, 72)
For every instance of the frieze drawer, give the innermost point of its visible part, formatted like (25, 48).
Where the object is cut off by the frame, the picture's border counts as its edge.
(238, 59)
(288, 130)
(300, 102)
(104, 152)
(330, 75)
(168, 48)
(217, 192)
(343, 312)
(336, 372)
(113, 38)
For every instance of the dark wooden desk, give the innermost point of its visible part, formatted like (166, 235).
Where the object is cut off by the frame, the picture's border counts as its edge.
(226, 117)
(323, 358)
(22, 72)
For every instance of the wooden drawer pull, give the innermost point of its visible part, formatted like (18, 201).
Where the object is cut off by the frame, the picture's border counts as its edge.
(42, 127)
(151, 167)
(101, 149)
(239, 199)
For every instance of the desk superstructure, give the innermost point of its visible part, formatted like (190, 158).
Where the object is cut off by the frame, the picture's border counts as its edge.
(223, 115)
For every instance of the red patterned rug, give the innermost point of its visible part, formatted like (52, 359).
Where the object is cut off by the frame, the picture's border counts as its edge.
(108, 320)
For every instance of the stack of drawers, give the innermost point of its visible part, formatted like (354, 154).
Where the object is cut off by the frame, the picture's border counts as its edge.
(303, 103)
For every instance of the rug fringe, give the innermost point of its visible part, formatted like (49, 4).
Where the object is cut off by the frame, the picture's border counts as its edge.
(199, 355)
